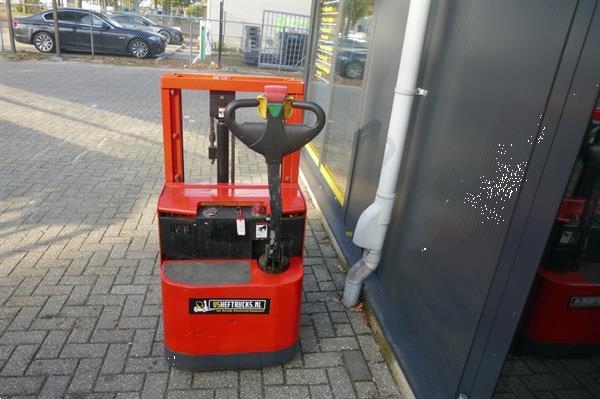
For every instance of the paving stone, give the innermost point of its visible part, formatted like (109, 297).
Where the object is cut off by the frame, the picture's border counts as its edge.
(226, 393)
(343, 330)
(112, 336)
(383, 379)
(320, 392)
(53, 344)
(142, 343)
(340, 383)
(83, 350)
(356, 366)
(251, 384)
(128, 395)
(55, 387)
(338, 344)
(308, 339)
(20, 385)
(24, 319)
(120, 382)
(538, 382)
(19, 360)
(273, 375)
(305, 376)
(23, 337)
(287, 391)
(323, 359)
(85, 375)
(146, 364)
(52, 367)
(155, 385)
(114, 361)
(366, 390)
(216, 379)
(323, 325)
(370, 348)
(179, 379)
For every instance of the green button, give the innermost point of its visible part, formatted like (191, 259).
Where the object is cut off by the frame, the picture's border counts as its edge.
(275, 108)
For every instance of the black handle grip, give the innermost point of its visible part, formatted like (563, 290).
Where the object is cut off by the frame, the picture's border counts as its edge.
(273, 139)
(315, 109)
(234, 105)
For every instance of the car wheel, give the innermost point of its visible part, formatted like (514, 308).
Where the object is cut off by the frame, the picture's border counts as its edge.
(166, 35)
(355, 70)
(139, 48)
(44, 42)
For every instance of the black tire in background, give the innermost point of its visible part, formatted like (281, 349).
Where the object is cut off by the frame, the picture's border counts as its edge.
(139, 48)
(355, 70)
(166, 35)
(44, 42)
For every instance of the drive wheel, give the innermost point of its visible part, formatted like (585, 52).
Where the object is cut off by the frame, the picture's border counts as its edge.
(139, 48)
(355, 70)
(166, 35)
(44, 42)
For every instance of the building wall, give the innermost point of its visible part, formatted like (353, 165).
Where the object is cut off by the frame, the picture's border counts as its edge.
(252, 11)
(477, 149)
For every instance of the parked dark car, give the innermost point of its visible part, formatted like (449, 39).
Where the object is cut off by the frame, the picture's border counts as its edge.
(109, 37)
(352, 58)
(170, 34)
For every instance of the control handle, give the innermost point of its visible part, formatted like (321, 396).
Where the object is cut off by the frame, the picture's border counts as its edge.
(274, 139)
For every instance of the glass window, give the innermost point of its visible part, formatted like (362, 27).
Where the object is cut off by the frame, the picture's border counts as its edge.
(66, 16)
(97, 22)
(336, 84)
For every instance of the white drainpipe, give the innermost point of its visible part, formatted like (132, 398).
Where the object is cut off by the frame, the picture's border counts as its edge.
(373, 222)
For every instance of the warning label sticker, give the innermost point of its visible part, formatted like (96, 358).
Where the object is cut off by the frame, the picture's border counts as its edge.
(229, 305)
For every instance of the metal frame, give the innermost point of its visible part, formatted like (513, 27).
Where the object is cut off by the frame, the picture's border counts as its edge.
(269, 32)
(171, 86)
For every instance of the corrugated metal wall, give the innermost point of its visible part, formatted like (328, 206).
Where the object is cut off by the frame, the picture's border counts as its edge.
(490, 69)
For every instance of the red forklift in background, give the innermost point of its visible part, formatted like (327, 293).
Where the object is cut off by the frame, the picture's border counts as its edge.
(231, 254)
(562, 316)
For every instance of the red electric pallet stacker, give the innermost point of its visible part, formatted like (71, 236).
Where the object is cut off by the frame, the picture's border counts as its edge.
(562, 316)
(231, 254)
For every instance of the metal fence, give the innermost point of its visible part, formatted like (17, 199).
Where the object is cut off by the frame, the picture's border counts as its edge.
(278, 43)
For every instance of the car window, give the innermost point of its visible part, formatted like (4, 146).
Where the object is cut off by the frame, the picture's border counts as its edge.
(67, 16)
(96, 22)
(148, 22)
(114, 23)
(78, 16)
(48, 16)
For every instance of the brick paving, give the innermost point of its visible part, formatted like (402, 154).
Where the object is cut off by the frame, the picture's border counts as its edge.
(80, 171)
(530, 377)
(80, 306)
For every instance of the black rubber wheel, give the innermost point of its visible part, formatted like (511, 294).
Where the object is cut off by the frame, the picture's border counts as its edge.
(166, 35)
(44, 42)
(139, 48)
(355, 70)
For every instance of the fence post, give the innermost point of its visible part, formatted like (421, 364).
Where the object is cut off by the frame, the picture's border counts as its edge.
(221, 16)
(56, 35)
(202, 41)
(91, 32)
(11, 31)
(1, 37)
(191, 41)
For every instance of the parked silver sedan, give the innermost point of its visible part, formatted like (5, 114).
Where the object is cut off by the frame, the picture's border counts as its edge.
(134, 21)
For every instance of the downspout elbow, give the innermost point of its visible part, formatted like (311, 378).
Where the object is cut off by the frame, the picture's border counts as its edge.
(357, 275)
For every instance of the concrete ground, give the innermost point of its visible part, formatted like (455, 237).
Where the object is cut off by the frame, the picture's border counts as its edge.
(80, 301)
